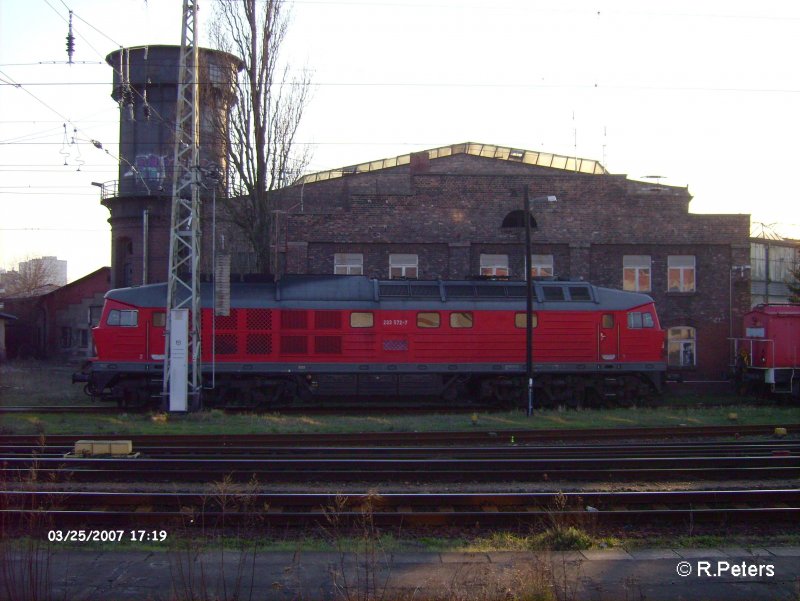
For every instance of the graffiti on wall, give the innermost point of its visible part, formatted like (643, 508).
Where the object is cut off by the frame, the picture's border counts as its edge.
(150, 168)
(153, 169)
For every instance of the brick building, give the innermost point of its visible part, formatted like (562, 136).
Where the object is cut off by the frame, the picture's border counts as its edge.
(57, 325)
(440, 213)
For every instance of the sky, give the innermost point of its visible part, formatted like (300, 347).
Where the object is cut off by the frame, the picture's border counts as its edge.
(699, 93)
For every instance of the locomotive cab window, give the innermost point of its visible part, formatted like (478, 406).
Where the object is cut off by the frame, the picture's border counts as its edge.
(638, 320)
(159, 319)
(361, 320)
(428, 320)
(125, 318)
(608, 320)
(461, 320)
(520, 322)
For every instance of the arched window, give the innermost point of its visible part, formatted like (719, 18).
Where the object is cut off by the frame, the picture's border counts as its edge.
(682, 346)
(123, 262)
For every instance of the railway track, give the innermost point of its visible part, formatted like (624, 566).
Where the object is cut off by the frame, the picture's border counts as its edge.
(247, 450)
(338, 409)
(607, 463)
(182, 510)
(399, 459)
(59, 409)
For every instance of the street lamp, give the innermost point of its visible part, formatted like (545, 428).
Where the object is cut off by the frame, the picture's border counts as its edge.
(515, 219)
(741, 271)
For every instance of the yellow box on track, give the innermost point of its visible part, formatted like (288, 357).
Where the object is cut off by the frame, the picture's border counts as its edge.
(103, 447)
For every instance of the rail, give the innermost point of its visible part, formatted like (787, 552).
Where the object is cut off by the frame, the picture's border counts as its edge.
(190, 511)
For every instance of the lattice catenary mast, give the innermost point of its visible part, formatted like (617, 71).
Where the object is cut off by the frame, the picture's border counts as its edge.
(182, 343)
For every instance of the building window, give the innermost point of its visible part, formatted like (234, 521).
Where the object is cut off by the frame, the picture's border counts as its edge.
(680, 273)
(94, 314)
(681, 346)
(348, 264)
(66, 337)
(636, 273)
(83, 338)
(361, 320)
(541, 266)
(428, 320)
(494, 265)
(461, 320)
(127, 277)
(403, 266)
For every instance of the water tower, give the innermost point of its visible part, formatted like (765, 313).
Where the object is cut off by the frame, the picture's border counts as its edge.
(146, 89)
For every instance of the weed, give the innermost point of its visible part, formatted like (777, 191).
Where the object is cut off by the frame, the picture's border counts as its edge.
(202, 571)
(564, 539)
(26, 571)
(367, 578)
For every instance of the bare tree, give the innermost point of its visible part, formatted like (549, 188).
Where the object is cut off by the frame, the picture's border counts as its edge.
(793, 282)
(262, 153)
(36, 276)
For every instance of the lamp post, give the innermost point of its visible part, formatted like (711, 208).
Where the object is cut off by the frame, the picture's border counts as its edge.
(741, 271)
(512, 221)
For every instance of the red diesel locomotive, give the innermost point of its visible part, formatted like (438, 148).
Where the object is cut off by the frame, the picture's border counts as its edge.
(307, 337)
(768, 357)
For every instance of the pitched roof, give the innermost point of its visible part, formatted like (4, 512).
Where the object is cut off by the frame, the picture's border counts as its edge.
(502, 153)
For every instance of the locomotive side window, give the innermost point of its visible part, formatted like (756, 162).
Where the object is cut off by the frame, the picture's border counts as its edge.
(647, 320)
(580, 293)
(124, 318)
(428, 320)
(608, 320)
(361, 320)
(159, 319)
(461, 320)
(520, 321)
(553, 293)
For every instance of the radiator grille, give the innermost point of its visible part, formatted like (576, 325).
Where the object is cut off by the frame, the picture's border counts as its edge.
(259, 344)
(259, 319)
(294, 345)
(225, 344)
(226, 322)
(294, 320)
(328, 345)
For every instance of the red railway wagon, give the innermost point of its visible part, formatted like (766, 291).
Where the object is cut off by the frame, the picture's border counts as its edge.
(768, 357)
(334, 336)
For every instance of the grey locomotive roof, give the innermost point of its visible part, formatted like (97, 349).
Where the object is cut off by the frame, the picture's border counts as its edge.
(361, 292)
